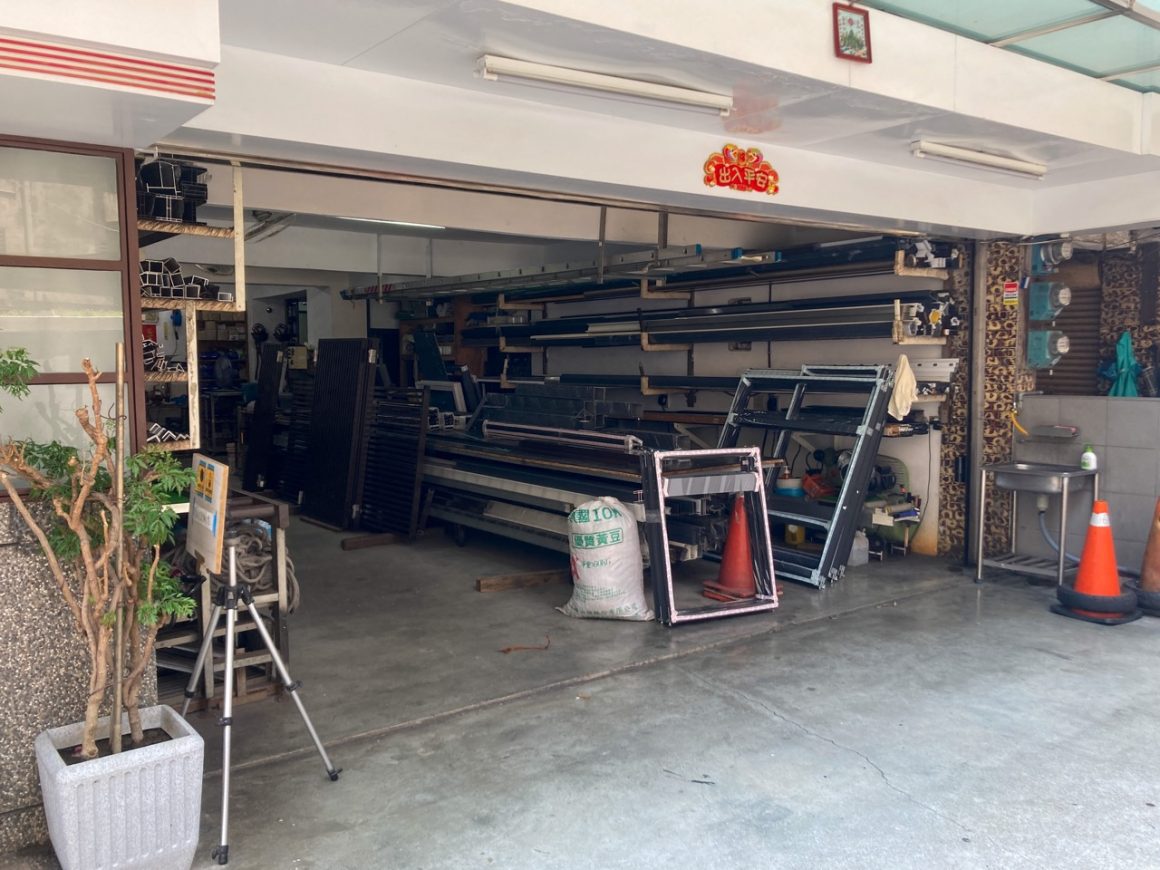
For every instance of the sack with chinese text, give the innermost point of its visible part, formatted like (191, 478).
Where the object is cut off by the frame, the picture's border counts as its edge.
(607, 569)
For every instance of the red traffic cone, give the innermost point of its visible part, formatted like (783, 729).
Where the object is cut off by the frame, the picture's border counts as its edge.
(1148, 592)
(735, 580)
(1097, 595)
(1150, 569)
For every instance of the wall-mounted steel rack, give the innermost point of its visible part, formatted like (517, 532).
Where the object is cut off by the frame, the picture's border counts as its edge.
(900, 317)
(673, 270)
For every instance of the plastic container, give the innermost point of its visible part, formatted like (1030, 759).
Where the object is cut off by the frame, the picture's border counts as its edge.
(790, 487)
(859, 551)
(1087, 460)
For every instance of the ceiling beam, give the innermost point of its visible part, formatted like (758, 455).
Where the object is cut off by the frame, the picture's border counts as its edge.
(1131, 71)
(1133, 10)
(1044, 30)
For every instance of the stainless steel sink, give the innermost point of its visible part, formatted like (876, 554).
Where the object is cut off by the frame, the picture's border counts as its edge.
(1034, 476)
(1037, 477)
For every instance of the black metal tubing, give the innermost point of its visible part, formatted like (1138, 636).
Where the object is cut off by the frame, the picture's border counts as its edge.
(844, 315)
(872, 252)
(679, 382)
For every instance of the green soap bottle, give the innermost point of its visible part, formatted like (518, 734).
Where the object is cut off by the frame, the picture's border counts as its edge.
(1087, 460)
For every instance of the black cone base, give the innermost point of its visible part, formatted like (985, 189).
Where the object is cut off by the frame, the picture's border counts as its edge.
(1110, 619)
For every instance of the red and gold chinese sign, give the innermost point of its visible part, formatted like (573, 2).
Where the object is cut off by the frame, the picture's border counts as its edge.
(742, 169)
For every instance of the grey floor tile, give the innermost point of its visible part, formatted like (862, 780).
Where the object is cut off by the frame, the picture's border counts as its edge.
(1089, 413)
(1131, 515)
(1129, 469)
(1133, 422)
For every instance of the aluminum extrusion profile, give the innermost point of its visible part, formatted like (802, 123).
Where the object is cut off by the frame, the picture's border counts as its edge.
(674, 474)
(839, 522)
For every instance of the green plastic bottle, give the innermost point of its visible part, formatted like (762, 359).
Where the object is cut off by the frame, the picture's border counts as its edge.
(1087, 460)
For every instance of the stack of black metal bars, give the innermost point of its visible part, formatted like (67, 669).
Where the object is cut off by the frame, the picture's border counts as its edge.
(296, 458)
(561, 406)
(396, 441)
(556, 405)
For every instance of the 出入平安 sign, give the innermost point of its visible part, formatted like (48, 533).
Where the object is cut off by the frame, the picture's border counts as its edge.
(740, 168)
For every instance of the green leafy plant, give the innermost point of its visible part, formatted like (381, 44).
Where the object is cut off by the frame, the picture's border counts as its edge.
(80, 528)
(16, 370)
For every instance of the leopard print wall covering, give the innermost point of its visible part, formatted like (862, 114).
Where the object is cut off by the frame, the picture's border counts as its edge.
(953, 413)
(1006, 375)
(1121, 277)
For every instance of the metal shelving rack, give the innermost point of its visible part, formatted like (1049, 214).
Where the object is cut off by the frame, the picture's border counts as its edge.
(872, 385)
(150, 232)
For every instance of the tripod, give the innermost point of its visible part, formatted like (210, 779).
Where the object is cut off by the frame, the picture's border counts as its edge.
(229, 598)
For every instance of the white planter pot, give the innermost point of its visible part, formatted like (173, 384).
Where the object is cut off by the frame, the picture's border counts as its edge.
(138, 809)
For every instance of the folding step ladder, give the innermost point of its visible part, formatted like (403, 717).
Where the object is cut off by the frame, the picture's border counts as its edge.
(871, 385)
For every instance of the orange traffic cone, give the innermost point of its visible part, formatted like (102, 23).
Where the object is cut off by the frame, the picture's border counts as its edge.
(1097, 595)
(735, 580)
(1149, 587)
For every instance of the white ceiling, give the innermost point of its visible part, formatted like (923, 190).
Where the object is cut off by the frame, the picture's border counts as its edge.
(441, 40)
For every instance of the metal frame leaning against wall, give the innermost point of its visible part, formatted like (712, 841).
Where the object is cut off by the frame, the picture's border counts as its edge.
(126, 264)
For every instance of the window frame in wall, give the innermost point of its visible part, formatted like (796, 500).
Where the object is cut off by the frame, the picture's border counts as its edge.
(125, 265)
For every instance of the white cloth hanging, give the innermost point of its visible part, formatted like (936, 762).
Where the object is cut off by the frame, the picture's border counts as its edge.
(905, 389)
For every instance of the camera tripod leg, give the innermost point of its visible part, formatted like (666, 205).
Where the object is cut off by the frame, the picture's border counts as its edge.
(222, 852)
(229, 598)
(202, 655)
(292, 687)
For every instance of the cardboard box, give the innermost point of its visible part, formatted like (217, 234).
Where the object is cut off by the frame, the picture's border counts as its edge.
(298, 357)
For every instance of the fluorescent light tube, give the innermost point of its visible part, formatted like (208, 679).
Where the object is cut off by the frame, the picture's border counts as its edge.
(978, 159)
(394, 223)
(493, 68)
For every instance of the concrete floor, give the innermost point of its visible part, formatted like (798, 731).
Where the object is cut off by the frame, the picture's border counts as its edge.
(904, 718)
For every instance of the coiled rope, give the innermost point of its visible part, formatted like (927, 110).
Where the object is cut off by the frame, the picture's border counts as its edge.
(255, 564)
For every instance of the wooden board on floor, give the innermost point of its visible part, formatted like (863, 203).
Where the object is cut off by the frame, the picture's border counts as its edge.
(361, 542)
(523, 580)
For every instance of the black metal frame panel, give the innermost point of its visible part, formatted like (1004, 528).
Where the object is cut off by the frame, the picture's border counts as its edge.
(699, 473)
(840, 522)
(396, 448)
(295, 460)
(344, 382)
(260, 440)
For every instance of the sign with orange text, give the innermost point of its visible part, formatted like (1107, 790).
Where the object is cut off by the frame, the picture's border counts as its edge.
(207, 512)
(744, 169)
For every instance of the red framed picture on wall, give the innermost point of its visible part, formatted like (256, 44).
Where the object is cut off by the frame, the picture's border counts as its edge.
(852, 33)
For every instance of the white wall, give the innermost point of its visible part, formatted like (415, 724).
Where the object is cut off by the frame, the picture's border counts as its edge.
(185, 29)
(331, 316)
(258, 299)
(286, 107)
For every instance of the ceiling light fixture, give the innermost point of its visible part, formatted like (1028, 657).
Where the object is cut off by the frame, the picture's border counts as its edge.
(977, 159)
(410, 224)
(493, 68)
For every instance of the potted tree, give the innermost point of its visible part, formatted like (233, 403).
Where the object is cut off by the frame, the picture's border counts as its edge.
(103, 550)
